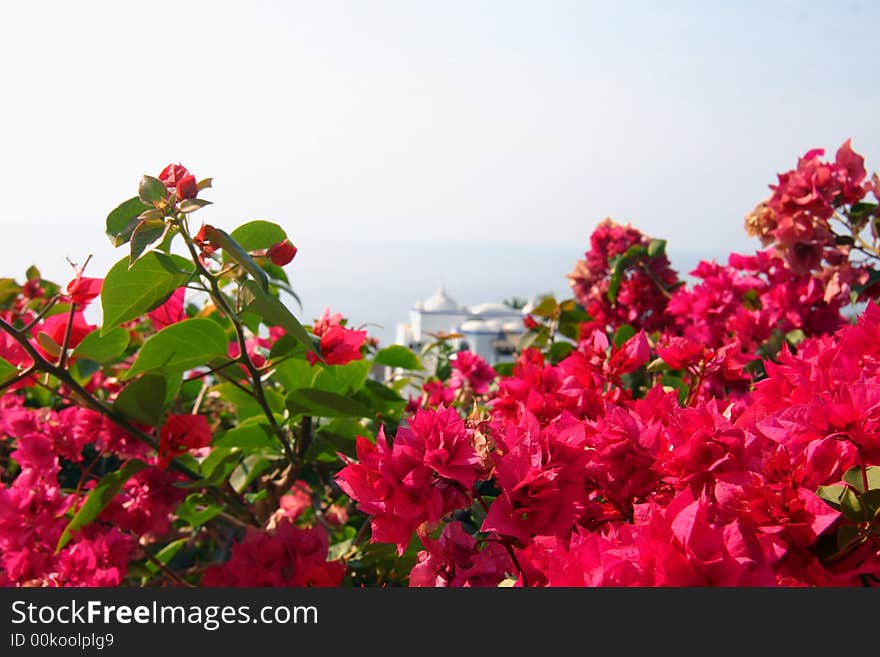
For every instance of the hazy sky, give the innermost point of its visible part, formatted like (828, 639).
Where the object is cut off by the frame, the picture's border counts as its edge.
(490, 121)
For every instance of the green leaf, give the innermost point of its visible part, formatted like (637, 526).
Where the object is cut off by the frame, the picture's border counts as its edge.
(559, 351)
(7, 370)
(103, 348)
(313, 401)
(166, 554)
(342, 379)
(618, 265)
(235, 251)
(295, 373)
(246, 406)
(381, 400)
(546, 307)
(143, 400)
(196, 510)
(831, 494)
(853, 477)
(180, 346)
(871, 502)
(398, 356)
(656, 248)
(258, 234)
(147, 233)
(252, 467)
(189, 205)
(122, 221)
(504, 369)
(623, 333)
(861, 211)
(217, 467)
(248, 436)
(276, 313)
(48, 344)
(151, 190)
(851, 506)
(128, 293)
(98, 499)
(9, 289)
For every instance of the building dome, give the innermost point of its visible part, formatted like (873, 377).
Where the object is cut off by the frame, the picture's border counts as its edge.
(474, 326)
(492, 308)
(513, 326)
(439, 302)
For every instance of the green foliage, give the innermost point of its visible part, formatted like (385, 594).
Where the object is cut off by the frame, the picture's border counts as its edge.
(103, 348)
(128, 293)
(180, 347)
(123, 220)
(398, 356)
(99, 497)
(143, 400)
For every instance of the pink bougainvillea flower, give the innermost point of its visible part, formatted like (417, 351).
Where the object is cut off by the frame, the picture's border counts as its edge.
(187, 187)
(470, 369)
(56, 328)
(339, 346)
(454, 560)
(181, 433)
(282, 253)
(326, 321)
(284, 556)
(82, 290)
(170, 312)
(173, 175)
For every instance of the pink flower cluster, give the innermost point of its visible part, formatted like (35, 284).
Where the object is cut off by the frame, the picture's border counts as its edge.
(33, 506)
(643, 293)
(640, 492)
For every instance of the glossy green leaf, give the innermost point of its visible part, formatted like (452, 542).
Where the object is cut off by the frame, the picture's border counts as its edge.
(104, 348)
(180, 347)
(249, 469)
(99, 497)
(151, 190)
(342, 379)
(546, 307)
(128, 293)
(618, 265)
(560, 351)
(258, 234)
(189, 205)
(381, 400)
(166, 554)
(656, 248)
(197, 509)
(623, 333)
(240, 255)
(398, 356)
(248, 436)
(122, 221)
(143, 400)
(148, 233)
(7, 370)
(276, 313)
(831, 494)
(851, 506)
(9, 289)
(854, 478)
(322, 403)
(295, 373)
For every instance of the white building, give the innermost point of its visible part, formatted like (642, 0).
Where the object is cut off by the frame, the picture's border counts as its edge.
(488, 329)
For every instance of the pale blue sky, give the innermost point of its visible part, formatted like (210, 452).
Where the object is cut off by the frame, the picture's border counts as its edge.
(489, 121)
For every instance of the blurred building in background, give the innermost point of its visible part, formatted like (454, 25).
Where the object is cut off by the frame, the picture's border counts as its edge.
(490, 329)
